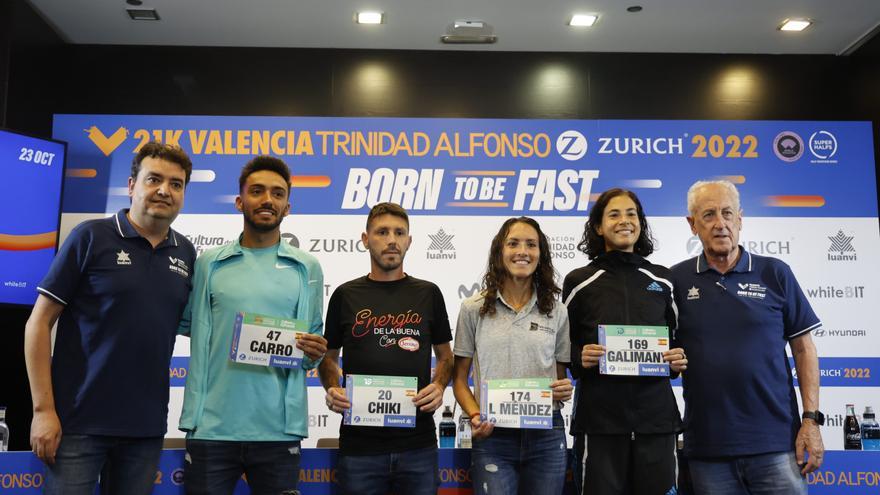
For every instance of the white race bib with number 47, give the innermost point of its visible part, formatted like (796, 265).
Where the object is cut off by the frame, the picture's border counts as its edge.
(266, 340)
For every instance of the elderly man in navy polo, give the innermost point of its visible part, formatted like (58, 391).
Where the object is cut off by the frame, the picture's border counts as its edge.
(117, 289)
(737, 311)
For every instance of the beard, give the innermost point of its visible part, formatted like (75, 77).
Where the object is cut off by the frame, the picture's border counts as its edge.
(262, 227)
(387, 265)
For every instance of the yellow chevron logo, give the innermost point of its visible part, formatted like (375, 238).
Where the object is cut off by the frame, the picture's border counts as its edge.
(106, 144)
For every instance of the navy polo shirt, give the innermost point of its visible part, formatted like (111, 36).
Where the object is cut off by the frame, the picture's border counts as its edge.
(122, 304)
(738, 389)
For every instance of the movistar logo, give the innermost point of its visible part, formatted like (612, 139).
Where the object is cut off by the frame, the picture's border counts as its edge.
(465, 292)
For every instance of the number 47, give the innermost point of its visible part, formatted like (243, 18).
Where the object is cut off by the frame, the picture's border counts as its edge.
(273, 335)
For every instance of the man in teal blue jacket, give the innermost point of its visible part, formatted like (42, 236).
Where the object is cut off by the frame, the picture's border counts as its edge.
(245, 407)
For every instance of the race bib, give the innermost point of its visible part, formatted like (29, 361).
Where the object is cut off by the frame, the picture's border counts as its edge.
(634, 350)
(517, 403)
(266, 340)
(381, 401)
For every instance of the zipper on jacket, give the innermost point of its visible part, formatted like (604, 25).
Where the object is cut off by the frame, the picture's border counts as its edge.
(625, 285)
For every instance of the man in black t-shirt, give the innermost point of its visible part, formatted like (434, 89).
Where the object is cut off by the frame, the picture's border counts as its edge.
(388, 322)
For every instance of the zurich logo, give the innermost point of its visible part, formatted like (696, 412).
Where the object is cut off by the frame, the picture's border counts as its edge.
(654, 287)
(571, 145)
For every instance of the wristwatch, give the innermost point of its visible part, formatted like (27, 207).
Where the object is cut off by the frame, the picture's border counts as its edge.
(816, 416)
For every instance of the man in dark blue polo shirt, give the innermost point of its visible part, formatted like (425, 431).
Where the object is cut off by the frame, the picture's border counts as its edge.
(117, 288)
(737, 311)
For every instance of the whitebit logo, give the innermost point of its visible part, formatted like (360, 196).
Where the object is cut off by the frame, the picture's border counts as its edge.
(841, 248)
(122, 258)
(571, 145)
(442, 242)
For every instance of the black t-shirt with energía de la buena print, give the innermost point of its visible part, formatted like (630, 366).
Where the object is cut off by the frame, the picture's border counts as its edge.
(387, 328)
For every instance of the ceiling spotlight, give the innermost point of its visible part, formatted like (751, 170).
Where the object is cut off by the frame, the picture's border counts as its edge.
(136, 3)
(583, 20)
(469, 31)
(794, 24)
(634, 8)
(143, 14)
(370, 17)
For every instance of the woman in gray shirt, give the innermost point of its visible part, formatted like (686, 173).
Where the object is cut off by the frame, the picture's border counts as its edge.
(515, 328)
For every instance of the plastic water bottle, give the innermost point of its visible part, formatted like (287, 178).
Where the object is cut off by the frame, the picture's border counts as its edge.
(4, 431)
(870, 430)
(464, 431)
(852, 435)
(447, 430)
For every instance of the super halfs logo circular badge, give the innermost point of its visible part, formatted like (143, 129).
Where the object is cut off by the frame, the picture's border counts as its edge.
(788, 146)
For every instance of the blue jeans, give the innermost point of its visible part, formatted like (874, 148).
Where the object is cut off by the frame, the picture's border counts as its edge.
(411, 472)
(512, 461)
(215, 466)
(776, 473)
(126, 466)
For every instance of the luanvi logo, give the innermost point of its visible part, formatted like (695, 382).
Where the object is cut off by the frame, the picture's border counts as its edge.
(123, 258)
(841, 248)
(441, 243)
(107, 145)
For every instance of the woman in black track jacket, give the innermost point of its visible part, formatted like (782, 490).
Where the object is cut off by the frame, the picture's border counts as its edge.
(624, 426)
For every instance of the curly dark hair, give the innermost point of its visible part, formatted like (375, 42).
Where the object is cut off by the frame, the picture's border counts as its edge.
(544, 277)
(592, 244)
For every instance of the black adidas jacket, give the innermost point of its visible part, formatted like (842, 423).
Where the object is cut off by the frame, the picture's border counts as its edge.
(619, 288)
